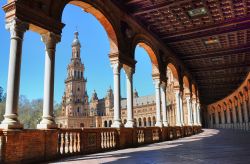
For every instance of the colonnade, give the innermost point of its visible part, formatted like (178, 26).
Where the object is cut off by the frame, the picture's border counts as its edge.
(233, 111)
(17, 29)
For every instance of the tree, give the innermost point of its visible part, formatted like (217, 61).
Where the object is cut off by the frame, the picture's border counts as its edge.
(2, 103)
(1, 94)
(2, 110)
(57, 109)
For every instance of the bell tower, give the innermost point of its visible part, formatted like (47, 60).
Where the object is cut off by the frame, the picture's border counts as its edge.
(75, 99)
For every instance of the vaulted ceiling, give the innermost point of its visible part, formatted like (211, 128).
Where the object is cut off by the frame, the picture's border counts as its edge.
(211, 37)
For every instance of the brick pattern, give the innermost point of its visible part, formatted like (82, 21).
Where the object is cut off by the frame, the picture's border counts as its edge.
(29, 146)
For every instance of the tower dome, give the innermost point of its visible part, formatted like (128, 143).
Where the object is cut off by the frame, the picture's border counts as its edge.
(76, 41)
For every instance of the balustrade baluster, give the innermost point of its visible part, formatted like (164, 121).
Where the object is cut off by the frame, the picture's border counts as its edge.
(104, 140)
(74, 135)
(108, 145)
(66, 142)
(102, 145)
(70, 143)
(111, 139)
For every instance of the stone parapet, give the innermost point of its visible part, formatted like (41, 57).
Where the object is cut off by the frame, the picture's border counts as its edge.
(29, 146)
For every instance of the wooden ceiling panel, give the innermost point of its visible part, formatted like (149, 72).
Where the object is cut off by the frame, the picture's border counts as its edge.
(211, 37)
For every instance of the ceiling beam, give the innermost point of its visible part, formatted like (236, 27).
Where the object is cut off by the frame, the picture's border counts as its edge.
(220, 67)
(216, 53)
(159, 6)
(218, 77)
(214, 29)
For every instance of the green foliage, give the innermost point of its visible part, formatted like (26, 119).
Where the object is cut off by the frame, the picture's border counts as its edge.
(2, 109)
(30, 112)
(2, 95)
(57, 109)
(2, 102)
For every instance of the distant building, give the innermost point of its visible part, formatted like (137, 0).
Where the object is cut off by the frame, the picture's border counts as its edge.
(78, 112)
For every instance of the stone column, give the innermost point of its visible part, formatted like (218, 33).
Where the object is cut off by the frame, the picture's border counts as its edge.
(239, 112)
(129, 78)
(50, 40)
(234, 114)
(117, 103)
(189, 110)
(216, 118)
(158, 103)
(198, 114)
(163, 105)
(222, 117)
(17, 29)
(177, 100)
(245, 110)
(228, 115)
(194, 111)
(181, 109)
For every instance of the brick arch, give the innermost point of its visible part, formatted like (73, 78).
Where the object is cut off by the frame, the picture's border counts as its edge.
(186, 84)
(144, 42)
(240, 96)
(245, 93)
(99, 12)
(174, 73)
(194, 91)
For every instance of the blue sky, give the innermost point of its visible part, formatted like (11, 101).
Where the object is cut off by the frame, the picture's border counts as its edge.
(94, 54)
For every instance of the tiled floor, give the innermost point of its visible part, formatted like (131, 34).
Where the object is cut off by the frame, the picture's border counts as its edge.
(211, 146)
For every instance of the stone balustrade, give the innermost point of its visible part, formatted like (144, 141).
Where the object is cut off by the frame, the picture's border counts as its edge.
(28, 146)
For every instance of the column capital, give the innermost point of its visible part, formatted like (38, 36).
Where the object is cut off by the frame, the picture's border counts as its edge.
(163, 85)
(157, 82)
(16, 28)
(116, 66)
(129, 71)
(187, 98)
(50, 39)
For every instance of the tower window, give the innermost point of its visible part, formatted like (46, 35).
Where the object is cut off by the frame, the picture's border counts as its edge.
(78, 89)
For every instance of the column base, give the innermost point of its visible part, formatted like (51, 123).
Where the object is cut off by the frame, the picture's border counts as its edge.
(47, 123)
(159, 124)
(178, 124)
(11, 126)
(11, 122)
(130, 124)
(117, 124)
(165, 123)
(46, 126)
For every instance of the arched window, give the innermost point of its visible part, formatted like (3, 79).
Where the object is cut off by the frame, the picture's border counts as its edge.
(110, 123)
